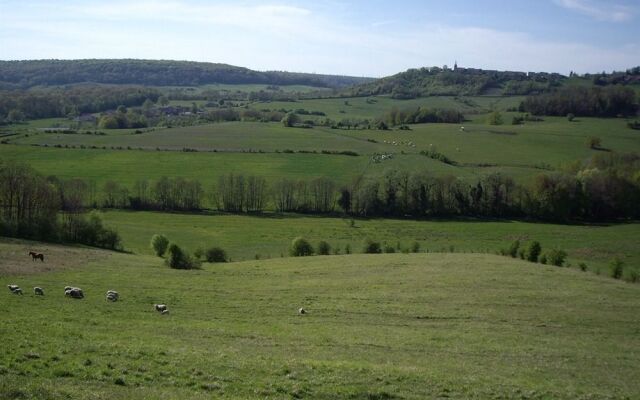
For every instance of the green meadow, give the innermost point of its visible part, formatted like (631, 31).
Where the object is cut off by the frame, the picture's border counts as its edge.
(247, 237)
(393, 326)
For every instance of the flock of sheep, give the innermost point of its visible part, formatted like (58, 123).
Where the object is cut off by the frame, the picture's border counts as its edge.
(77, 293)
(112, 295)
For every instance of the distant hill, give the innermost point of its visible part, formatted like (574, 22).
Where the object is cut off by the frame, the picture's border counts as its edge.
(29, 73)
(437, 81)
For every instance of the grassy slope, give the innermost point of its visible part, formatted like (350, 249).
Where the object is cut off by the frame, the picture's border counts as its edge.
(386, 326)
(244, 237)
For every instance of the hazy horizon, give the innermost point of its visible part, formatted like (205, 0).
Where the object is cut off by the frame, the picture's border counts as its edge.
(371, 39)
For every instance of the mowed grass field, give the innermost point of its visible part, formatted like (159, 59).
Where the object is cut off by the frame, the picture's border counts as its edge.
(418, 326)
(269, 236)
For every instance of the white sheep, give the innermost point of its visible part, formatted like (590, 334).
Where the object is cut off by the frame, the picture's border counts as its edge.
(112, 295)
(75, 293)
(38, 291)
(160, 307)
(164, 312)
(13, 287)
(17, 291)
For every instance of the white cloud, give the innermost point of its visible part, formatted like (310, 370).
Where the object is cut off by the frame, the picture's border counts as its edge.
(602, 12)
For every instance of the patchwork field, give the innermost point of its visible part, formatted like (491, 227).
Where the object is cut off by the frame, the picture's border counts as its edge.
(378, 327)
(520, 151)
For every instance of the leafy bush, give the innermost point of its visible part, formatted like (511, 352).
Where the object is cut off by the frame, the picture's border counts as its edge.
(634, 276)
(91, 232)
(543, 259)
(415, 247)
(324, 249)
(570, 117)
(216, 255)
(159, 244)
(494, 118)
(389, 249)
(300, 247)
(347, 249)
(617, 268)
(594, 142)
(556, 257)
(179, 259)
(371, 247)
(583, 266)
(533, 252)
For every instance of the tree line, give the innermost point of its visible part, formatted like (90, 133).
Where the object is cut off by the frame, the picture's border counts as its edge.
(29, 73)
(49, 209)
(17, 105)
(605, 187)
(607, 101)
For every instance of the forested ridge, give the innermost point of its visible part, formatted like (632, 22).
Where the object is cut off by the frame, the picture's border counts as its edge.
(30, 73)
(436, 81)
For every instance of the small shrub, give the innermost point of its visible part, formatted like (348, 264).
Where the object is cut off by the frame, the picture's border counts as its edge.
(570, 117)
(300, 247)
(594, 142)
(617, 268)
(556, 257)
(533, 252)
(371, 247)
(494, 118)
(513, 249)
(216, 255)
(543, 259)
(521, 254)
(159, 244)
(347, 249)
(583, 266)
(324, 248)
(120, 381)
(179, 259)
(634, 276)
(389, 249)
(415, 247)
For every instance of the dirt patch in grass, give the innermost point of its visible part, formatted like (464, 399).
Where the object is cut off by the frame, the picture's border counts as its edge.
(15, 258)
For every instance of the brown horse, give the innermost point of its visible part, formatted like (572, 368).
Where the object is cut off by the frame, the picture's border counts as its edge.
(36, 256)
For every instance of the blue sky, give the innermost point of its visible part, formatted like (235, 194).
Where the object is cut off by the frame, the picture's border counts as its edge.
(362, 38)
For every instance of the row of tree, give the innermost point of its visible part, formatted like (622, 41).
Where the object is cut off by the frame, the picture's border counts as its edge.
(605, 187)
(421, 115)
(63, 102)
(35, 207)
(608, 101)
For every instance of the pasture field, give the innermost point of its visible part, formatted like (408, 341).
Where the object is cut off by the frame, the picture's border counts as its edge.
(520, 151)
(246, 237)
(375, 106)
(394, 326)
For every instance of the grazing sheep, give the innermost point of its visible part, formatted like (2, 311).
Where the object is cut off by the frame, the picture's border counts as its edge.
(67, 288)
(112, 295)
(13, 287)
(164, 312)
(75, 293)
(160, 307)
(302, 311)
(17, 291)
(38, 291)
